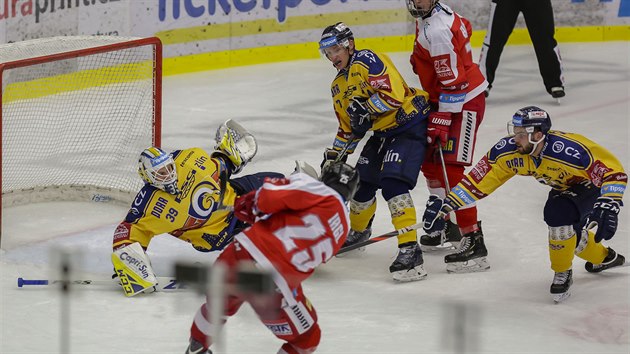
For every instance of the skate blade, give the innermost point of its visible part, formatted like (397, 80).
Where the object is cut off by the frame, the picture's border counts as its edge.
(447, 246)
(415, 274)
(357, 252)
(471, 266)
(558, 298)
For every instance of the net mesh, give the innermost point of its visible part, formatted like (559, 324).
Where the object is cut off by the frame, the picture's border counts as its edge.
(75, 122)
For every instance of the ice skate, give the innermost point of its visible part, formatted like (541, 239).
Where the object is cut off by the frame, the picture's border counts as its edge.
(447, 239)
(408, 265)
(353, 238)
(471, 255)
(613, 259)
(560, 287)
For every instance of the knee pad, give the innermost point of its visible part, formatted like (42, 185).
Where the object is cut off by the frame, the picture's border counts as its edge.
(403, 214)
(561, 247)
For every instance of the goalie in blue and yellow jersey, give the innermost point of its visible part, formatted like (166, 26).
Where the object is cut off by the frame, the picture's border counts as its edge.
(587, 181)
(369, 94)
(188, 194)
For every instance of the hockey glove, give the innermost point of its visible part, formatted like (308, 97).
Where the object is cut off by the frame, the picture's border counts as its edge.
(330, 155)
(439, 125)
(360, 121)
(245, 207)
(433, 217)
(604, 216)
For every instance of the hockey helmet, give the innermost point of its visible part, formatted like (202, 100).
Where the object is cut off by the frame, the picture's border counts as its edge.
(341, 177)
(420, 12)
(337, 34)
(531, 118)
(157, 168)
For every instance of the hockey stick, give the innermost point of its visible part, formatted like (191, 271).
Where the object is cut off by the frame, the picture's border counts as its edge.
(380, 238)
(345, 149)
(439, 144)
(164, 283)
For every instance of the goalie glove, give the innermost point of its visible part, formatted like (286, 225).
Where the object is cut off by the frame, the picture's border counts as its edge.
(433, 217)
(604, 216)
(236, 144)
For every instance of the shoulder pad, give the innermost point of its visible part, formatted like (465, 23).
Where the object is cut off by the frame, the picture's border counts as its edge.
(140, 203)
(370, 60)
(502, 147)
(563, 147)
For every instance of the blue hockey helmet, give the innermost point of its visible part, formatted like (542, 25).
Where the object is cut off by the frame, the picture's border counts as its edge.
(337, 34)
(531, 118)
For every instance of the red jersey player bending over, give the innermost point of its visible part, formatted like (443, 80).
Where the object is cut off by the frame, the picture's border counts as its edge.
(298, 223)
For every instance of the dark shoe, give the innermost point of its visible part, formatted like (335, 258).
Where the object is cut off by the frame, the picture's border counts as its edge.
(557, 92)
(408, 265)
(470, 256)
(613, 259)
(445, 239)
(560, 287)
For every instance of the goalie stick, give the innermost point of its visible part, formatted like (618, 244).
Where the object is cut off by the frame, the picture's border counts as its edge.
(164, 283)
(380, 238)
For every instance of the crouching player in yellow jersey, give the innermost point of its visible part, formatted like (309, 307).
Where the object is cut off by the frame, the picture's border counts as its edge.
(369, 94)
(187, 195)
(587, 184)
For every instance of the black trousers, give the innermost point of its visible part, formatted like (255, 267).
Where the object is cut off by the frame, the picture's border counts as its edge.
(540, 25)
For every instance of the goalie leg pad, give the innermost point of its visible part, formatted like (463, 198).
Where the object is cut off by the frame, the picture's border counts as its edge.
(134, 270)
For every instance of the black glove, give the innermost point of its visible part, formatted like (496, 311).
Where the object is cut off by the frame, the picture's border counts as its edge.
(604, 215)
(331, 155)
(433, 217)
(360, 121)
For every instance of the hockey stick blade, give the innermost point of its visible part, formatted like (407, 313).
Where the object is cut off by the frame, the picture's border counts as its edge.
(380, 238)
(164, 283)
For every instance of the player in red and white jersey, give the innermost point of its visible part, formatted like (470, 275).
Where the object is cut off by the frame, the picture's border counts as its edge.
(442, 58)
(298, 222)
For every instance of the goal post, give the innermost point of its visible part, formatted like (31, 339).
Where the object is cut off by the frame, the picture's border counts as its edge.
(75, 114)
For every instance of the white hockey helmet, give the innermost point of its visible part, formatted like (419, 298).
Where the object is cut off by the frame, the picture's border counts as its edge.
(157, 168)
(423, 10)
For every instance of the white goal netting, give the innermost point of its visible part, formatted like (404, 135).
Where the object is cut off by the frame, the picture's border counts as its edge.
(76, 113)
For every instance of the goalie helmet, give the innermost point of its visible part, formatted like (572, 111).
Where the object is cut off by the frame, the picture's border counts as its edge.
(157, 168)
(421, 12)
(341, 177)
(531, 118)
(337, 34)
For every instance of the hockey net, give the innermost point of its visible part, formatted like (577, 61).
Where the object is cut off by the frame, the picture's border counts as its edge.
(76, 113)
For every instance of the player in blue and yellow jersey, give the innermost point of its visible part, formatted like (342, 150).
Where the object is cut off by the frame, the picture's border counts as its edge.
(369, 94)
(187, 195)
(587, 183)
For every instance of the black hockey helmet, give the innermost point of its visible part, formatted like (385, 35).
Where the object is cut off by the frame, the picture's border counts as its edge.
(416, 12)
(341, 177)
(337, 34)
(532, 118)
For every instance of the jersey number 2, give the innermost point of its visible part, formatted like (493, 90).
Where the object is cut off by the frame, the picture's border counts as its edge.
(312, 229)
